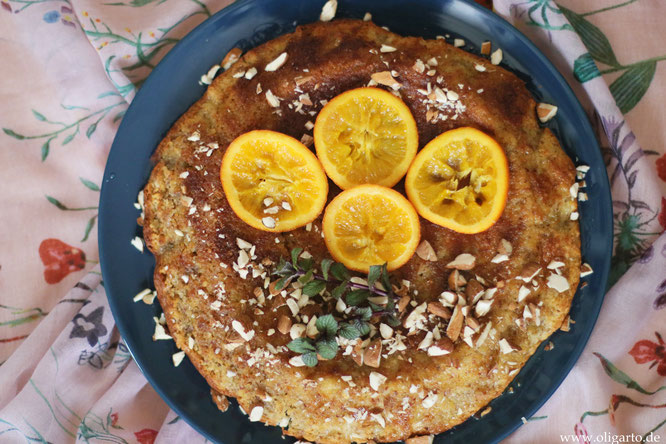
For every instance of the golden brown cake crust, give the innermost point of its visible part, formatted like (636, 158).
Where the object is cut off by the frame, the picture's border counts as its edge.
(193, 233)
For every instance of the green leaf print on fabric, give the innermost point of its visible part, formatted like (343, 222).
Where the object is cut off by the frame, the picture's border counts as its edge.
(585, 69)
(630, 87)
(621, 377)
(593, 39)
(91, 221)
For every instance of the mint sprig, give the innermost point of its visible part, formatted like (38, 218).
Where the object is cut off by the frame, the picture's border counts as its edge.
(335, 279)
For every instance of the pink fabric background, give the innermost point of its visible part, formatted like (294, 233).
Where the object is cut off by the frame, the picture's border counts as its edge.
(61, 60)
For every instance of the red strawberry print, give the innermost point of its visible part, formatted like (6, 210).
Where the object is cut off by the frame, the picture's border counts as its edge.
(661, 167)
(647, 351)
(146, 436)
(60, 259)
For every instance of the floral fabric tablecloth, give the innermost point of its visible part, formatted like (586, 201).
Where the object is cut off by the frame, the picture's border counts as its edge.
(69, 68)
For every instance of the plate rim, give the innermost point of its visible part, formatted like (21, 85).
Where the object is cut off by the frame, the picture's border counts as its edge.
(585, 128)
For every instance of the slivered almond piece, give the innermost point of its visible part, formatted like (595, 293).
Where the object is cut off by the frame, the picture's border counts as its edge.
(463, 261)
(297, 361)
(302, 80)
(441, 347)
(241, 330)
(284, 324)
(455, 324)
(529, 272)
(585, 270)
(483, 307)
(307, 140)
(485, 48)
(566, 324)
(376, 380)
(545, 112)
(473, 289)
(496, 57)
(385, 331)
(387, 48)
(558, 283)
(256, 413)
(373, 354)
(231, 58)
(328, 11)
(357, 353)
(472, 323)
(426, 439)
(277, 63)
(505, 247)
(438, 309)
(385, 78)
(456, 280)
(272, 99)
(484, 335)
(458, 43)
(426, 252)
(506, 347)
(419, 66)
(402, 303)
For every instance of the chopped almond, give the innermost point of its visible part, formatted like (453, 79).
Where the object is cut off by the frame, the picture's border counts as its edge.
(284, 324)
(456, 280)
(472, 290)
(427, 439)
(545, 112)
(385, 78)
(485, 48)
(442, 346)
(438, 309)
(403, 302)
(231, 58)
(357, 353)
(463, 261)
(455, 324)
(373, 354)
(426, 252)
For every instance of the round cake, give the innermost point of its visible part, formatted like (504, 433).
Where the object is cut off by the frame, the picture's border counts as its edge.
(470, 308)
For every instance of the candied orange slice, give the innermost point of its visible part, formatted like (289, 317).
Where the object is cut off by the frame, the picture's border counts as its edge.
(365, 135)
(272, 181)
(460, 181)
(371, 225)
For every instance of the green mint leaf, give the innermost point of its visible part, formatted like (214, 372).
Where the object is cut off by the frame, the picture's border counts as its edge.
(339, 271)
(357, 297)
(306, 264)
(374, 274)
(301, 345)
(282, 283)
(325, 266)
(392, 320)
(307, 277)
(327, 349)
(385, 278)
(327, 325)
(364, 312)
(362, 326)
(349, 331)
(375, 307)
(284, 268)
(294, 256)
(339, 290)
(313, 288)
(310, 359)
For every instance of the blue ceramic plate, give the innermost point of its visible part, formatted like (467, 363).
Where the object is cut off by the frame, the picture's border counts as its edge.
(172, 88)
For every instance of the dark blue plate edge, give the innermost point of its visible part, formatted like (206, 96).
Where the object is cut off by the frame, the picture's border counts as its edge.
(584, 128)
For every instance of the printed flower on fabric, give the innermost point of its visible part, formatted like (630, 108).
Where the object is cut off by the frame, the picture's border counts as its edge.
(89, 327)
(146, 436)
(661, 167)
(60, 259)
(647, 351)
(65, 16)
